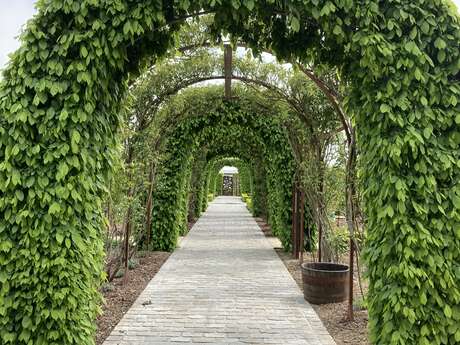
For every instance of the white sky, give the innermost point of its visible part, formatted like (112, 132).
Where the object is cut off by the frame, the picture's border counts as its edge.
(13, 15)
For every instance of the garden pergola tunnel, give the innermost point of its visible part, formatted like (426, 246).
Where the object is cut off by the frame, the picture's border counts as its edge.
(60, 100)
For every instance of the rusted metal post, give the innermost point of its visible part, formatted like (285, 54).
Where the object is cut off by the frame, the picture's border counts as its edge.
(320, 241)
(297, 233)
(228, 57)
(302, 224)
(148, 208)
(350, 280)
(294, 218)
(126, 244)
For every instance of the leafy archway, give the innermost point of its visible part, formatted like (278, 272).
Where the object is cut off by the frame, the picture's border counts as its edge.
(217, 127)
(60, 98)
(214, 165)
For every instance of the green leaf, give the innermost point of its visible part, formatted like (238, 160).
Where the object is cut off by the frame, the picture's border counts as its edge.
(43, 181)
(63, 170)
(440, 43)
(54, 208)
(385, 108)
(423, 298)
(26, 321)
(427, 132)
(295, 24)
(64, 115)
(76, 238)
(19, 195)
(337, 30)
(424, 101)
(447, 311)
(127, 28)
(425, 27)
(441, 56)
(75, 139)
(457, 336)
(390, 211)
(15, 177)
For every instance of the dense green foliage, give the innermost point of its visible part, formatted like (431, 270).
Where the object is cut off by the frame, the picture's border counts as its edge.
(59, 104)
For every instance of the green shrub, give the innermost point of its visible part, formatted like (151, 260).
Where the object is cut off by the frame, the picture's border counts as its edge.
(107, 287)
(360, 303)
(120, 273)
(338, 241)
(133, 263)
(248, 200)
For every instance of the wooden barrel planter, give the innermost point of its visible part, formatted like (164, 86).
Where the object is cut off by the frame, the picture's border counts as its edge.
(325, 282)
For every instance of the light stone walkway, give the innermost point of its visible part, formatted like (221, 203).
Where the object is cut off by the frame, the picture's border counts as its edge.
(224, 285)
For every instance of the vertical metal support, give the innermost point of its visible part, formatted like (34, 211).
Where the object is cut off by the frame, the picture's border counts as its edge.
(320, 242)
(302, 224)
(297, 222)
(350, 280)
(228, 61)
(294, 218)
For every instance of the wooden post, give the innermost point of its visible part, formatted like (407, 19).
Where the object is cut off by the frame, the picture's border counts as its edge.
(228, 57)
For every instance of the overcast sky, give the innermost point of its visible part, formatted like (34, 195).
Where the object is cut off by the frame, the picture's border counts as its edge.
(13, 14)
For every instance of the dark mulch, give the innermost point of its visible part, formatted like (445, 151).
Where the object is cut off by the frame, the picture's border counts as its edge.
(264, 227)
(333, 315)
(119, 298)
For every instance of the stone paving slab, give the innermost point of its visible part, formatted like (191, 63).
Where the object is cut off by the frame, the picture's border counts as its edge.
(224, 285)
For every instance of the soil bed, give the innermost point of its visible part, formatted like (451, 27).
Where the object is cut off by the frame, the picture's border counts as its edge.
(119, 298)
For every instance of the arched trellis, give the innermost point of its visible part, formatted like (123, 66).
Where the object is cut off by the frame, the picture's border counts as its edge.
(207, 184)
(213, 168)
(203, 66)
(64, 84)
(224, 128)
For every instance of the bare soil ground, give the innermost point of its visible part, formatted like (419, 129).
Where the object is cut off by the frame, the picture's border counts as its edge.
(119, 298)
(332, 315)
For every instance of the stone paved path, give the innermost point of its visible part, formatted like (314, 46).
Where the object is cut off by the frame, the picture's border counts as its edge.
(224, 285)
